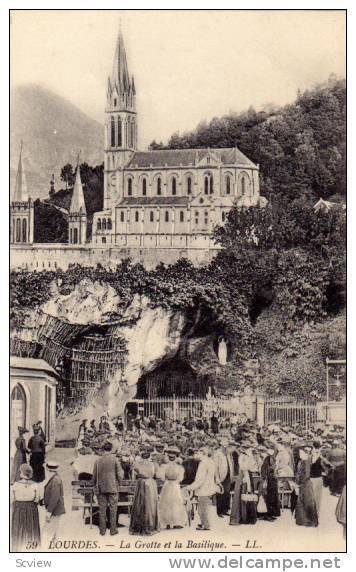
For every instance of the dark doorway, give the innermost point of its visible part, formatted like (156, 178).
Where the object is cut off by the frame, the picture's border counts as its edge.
(173, 377)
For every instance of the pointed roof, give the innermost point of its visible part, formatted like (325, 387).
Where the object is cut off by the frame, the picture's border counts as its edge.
(77, 203)
(20, 194)
(120, 75)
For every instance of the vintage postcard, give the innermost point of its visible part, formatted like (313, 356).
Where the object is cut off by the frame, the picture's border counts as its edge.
(178, 281)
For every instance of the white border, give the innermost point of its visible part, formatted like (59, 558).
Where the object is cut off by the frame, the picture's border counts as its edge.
(90, 562)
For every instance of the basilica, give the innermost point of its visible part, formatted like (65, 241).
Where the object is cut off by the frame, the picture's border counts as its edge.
(164, 198)
(167, 201)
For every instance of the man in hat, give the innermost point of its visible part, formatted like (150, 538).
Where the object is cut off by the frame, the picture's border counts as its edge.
(190, 465)
(214, 424)
(107, 473)
(37, 458)
(224, 470)
(336, 457)
(53, 500)
(104, 426)
(42, 433)
(204, 486)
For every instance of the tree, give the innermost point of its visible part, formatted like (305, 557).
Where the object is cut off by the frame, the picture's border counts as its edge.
(68, 175)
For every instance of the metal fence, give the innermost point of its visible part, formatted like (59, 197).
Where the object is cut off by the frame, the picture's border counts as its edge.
(179, 408)
(288, 411)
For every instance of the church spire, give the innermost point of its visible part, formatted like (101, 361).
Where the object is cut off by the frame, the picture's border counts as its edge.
(20, 193)
(120, 76)
(77, 204)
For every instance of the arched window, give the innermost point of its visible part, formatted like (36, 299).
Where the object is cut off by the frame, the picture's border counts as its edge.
(144, 187)
(115, 102)
(243, 185)
(18, 408)
(109, 224)
(189, 185)
(132, 133)
(174, 186)
(75, 236)
(122, 216)
(71, 236)
(104, 224)
(129, 187)
(208, 184)
(181, 216)
(18, 230)
(151, 216)
(166, 216)
(159, 186)
(228, 184)
(113, 132)
(206, 217)
(223, 216)
(24, 230)
(211, 185)
(98, 224)
(196, 217)
(127, 132)
(119, 132)
(136, 216)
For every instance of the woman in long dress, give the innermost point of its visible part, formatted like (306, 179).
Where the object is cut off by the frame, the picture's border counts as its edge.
(144, 513)
(244, 506)
(172, 512)
(270, 486)
(25, 526)
(316, 475)
(306, 513)
(340, 511)
(20, 455)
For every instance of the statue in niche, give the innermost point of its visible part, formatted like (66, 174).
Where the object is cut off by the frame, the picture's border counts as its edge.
(222, 351)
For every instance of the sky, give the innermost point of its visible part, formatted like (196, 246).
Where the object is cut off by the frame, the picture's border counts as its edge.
(189, 66)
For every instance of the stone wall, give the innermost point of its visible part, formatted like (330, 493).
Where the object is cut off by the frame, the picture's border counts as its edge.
(39, 257)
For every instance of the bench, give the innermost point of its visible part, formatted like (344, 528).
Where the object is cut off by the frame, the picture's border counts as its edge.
(83, 496)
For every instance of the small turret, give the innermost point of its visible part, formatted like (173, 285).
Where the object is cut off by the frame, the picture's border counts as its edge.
(77, 217)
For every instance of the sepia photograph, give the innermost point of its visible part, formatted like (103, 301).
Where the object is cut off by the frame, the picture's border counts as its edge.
(177, 281)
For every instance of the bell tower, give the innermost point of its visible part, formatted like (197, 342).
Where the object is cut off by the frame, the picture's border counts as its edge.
(120, 124)
(21, 209)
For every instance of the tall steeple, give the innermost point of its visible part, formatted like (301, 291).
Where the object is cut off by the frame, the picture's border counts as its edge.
(77, 204)
(120, 123)
(120, 75)
(77, 217)
(20, 194)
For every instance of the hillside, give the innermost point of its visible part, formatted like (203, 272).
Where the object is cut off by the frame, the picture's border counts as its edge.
(53, 131)
(301, 147)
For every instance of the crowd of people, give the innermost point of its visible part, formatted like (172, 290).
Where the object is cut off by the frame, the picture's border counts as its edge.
(241, 466)
(246, 472)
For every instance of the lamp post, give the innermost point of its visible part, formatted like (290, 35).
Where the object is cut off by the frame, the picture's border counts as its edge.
(330, 362)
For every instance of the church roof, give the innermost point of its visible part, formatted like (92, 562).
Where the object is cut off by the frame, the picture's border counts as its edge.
(77, 203)
(32, 363)
(20, 194)
(187, 157)
(154, 201)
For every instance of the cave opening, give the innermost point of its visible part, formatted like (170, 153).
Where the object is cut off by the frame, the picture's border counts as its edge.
(172, 377)
(261, 300)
